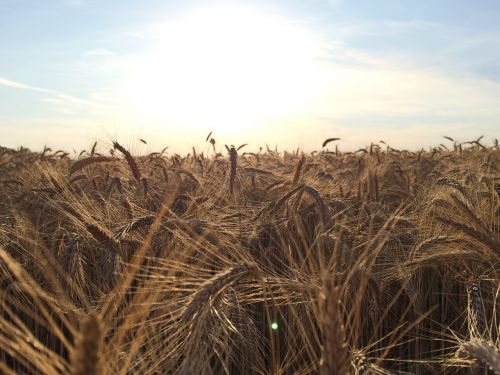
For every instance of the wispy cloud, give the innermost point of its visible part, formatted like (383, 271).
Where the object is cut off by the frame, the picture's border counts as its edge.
(20, 85)
(59, 99)
(421, 43)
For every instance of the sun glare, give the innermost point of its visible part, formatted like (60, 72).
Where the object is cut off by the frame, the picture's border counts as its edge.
(226, 69)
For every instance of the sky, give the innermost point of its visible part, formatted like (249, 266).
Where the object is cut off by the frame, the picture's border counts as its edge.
(285, 73)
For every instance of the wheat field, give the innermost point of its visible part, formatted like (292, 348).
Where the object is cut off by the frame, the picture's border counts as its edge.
(379, 261)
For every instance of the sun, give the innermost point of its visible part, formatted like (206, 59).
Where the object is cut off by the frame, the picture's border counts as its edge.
(226, 68)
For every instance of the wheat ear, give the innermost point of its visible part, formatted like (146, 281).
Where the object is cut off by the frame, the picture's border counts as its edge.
(484, 352)
(211, 288)
(103, 237)
(140, 222)
(130, 161)
(233, 157)
(319, 201)
(82, 163)
(298, 169)
(86, 356)
(335, 358)
(123, 199)
(476, 308)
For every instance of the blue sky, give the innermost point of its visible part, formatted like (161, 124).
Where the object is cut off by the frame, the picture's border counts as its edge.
(75, 71)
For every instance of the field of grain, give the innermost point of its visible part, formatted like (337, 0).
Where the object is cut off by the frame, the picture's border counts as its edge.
(379, 261)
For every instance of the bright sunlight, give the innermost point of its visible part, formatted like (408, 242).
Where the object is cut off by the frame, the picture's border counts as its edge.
(227, 68)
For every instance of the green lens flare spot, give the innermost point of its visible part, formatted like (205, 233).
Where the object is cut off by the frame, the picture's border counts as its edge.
(274, 326)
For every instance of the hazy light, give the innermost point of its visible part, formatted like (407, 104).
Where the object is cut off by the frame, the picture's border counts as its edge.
(226, 68)
(274, 326)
